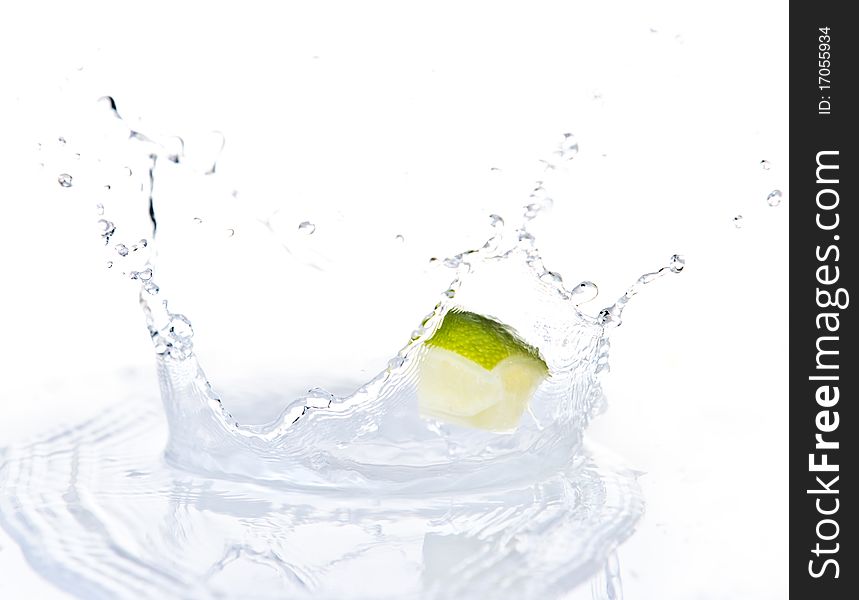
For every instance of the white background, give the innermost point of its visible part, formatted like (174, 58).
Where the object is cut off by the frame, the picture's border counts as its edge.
(395, 114)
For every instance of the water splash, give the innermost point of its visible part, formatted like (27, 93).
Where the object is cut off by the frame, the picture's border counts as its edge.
(611, 315)
(453, 512)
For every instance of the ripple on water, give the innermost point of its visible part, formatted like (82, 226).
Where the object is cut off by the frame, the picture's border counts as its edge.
(99, 513)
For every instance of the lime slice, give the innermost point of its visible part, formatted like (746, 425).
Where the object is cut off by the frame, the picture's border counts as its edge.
(478, 372)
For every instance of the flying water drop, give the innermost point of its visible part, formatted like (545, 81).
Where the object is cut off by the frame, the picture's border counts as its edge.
(106, 229)
(738, 221)
(568, 148)
(551, 277)
(774, 198)
(306, 227)
(584, 292)
(65, 180)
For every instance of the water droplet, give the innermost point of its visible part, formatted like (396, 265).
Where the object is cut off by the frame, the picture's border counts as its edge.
(306, 227)
(584, 292)
(99, 209)
(110, 104)
(61, 141)
(65, 180)
(569, 147)
(197, 220)
(396, 362)
(128, 171)
(450, 293)
(496, 221)
(678, 261)
(765, 165)
(106, 228)
(138, 246)
(774, 198)
(180, 326)
(109, 264)
(144, 275)
(452, 263)
(77, 156)
(526, 237)
(400, 238)
(417, 333)
(551, 277)
(175, 147)
(230, 232)
(540, 197)
(738, 221)
(122, 249)
(150, 288)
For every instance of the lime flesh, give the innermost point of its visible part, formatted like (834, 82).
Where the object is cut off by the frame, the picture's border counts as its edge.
(478, 372)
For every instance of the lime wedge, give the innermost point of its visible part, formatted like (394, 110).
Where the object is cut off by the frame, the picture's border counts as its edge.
(478, 372)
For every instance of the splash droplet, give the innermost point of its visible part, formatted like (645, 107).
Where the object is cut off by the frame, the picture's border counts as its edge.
(569, 147)
(180, 326)
(526, 237)
(144, 275)
(150, 288)
(738, 221)
(400, 238)
(306, 227)
(765, 165)
(106, 229)
(496, 221)
(110, 104)
(551, 277)
(107, 188)
(774, 198)
(65, 180)
(678, 261)
(61, 141)
(197, 220)
(122, 249)
(584, 292)
(99, 209)
(109, 264)
(230, 232)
